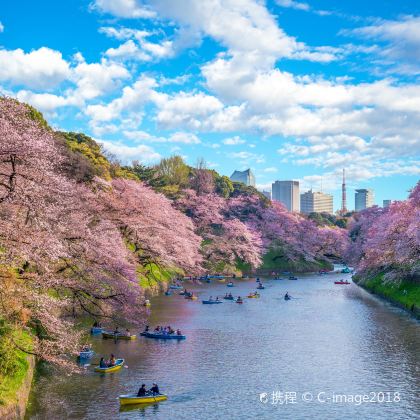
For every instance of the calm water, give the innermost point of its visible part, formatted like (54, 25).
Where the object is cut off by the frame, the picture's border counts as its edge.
(330, 339)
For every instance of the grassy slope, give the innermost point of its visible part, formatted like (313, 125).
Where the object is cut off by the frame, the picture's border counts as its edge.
(406, 293)
(10, 384)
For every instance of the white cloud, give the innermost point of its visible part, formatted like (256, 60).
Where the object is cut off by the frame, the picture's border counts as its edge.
(178, 137)
(271, 169)
(232, 141)
(401, 39)
(123, 8)
(42, 69)
(293, 4)
(142, 153)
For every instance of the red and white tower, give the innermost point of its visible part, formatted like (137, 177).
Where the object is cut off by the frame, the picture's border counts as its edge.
(343, 194)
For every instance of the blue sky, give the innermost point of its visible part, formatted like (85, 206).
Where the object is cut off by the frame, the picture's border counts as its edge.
(292, 89)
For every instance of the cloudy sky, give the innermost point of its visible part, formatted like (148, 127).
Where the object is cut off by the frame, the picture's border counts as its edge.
(292, 89)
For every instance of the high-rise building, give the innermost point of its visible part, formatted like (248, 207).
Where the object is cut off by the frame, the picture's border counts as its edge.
(267, 194)
(287, 192)
(386, 203)
(316, 202)
(247, 177)
(363, 199)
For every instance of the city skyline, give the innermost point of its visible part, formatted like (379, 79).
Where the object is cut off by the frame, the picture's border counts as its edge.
(295, 90)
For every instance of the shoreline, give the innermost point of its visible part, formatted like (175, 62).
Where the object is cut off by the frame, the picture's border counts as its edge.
(412, 309)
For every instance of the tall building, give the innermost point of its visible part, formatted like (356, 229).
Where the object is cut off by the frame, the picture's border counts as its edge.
(343, 194)
(363, 199)
(247, 177)
(386, 203)
(267, 194)
(316, 202)
(287, 192)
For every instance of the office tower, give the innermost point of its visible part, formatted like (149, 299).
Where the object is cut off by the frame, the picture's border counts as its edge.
(316, 202)
(386, 203)
(363, 199)
(287, 192)
(247, 177)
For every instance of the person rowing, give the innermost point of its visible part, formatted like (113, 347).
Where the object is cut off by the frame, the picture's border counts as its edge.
(154, 390)
(287, 296)
(142, 391)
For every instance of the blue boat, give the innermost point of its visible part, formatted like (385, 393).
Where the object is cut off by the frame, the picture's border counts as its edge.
(86, 354)
(211, 302)
(228, 297)
(168, 293)
(162, 336)
(96, 330)
(230, 285)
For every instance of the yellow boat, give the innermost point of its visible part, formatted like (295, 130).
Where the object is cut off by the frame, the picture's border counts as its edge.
(119, 336)
(253, 296)
(147, 399)
(119, 363)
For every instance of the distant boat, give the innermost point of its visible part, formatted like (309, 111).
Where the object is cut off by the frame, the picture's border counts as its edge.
(342, 282)
(211, 302)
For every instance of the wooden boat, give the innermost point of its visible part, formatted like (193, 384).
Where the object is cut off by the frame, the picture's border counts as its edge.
(342, 282)
(211, 302)
(96, 330)
(119, 363)
(147, 399)
(118, 336)
(162, 336)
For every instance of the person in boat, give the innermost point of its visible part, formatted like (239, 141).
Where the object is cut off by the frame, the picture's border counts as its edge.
(112, 361)
(96, 324)
(154, 390)
(178, 332)
(239, 299)
(142, 391)
(230, 296)
(146, 328)
(171, 330)
(157, 329)
(217, 298)
(102, 363)
(211, 298)
(127, 332)
(116, 331)
(287, 296)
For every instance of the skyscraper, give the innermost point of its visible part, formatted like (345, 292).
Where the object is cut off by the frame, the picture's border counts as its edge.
(316, 202)
(363, 199)
(287, 192)
(386, 203)
(247, 177)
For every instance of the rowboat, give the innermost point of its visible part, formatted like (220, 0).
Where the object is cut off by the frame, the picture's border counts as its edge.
(96, 330)
(86, 354)
(253, 296)
(230, 285)
(341, 282)
(147, 399)
(118, 365)
(118, 336)
(162, 336)
(287, 298)
(292, 278)
(211, 302)
(174, 286)
(239, 301)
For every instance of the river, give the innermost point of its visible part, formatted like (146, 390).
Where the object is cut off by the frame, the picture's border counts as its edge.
(312, 357)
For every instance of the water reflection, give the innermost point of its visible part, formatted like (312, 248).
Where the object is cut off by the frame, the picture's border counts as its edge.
(329, 339)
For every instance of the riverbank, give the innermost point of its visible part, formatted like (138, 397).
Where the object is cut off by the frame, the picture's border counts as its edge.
(405, 295)
(15, 388)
